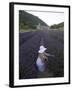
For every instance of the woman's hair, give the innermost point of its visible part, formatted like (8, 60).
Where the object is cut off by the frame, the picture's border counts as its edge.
(43, 56)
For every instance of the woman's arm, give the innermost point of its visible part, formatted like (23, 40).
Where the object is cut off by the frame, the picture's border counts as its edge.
(47, 54)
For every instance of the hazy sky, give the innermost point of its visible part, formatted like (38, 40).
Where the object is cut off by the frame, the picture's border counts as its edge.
(49, 17)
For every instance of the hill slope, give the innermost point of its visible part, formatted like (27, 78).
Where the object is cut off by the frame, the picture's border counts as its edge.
(27, 20)
(58, 26)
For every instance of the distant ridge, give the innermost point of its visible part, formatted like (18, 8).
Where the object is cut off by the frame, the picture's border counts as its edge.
(57, 26)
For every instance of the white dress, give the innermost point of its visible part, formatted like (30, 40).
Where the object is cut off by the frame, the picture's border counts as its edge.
(40, 64)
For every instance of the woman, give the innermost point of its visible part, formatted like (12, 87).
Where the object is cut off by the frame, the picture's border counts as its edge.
(42, 59)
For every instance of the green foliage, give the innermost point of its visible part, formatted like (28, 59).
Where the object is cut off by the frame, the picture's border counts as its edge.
(57, 26)
(29, 21)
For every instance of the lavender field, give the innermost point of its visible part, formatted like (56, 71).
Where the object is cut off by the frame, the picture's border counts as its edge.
(29, 43)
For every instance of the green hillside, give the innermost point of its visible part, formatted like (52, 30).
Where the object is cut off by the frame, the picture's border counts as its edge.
(28, 21)
(58, 26)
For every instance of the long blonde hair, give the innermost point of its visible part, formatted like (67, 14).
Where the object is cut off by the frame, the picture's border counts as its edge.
(43, 57)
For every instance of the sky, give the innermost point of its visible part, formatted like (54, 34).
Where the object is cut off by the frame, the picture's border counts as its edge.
(49, 18)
